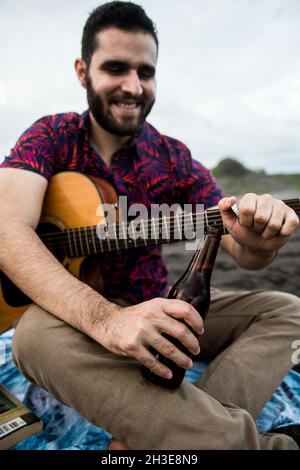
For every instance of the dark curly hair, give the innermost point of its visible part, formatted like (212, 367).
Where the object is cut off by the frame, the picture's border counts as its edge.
(123, 15)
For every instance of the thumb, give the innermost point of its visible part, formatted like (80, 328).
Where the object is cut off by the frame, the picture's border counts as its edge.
(227, 213)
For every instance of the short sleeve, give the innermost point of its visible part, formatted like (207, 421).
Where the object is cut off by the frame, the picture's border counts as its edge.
(202, 187)
(195, 183)
(35, 150)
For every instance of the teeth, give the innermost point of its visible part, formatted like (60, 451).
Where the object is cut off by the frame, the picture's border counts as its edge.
(127, 105)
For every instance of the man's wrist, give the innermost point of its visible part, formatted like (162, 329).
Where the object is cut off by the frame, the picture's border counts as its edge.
(251, 258)
(97, 315)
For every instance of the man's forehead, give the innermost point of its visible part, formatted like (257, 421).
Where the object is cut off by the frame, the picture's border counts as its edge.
(116, 44)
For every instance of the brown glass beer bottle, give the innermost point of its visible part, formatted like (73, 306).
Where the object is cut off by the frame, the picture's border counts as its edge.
(194, 288)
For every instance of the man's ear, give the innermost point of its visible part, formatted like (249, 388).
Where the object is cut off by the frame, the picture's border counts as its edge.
(81, 71)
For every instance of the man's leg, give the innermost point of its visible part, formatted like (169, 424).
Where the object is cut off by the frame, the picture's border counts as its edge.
(110, 391)
(251, 333)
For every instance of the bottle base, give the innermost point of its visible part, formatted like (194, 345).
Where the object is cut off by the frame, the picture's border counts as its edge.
(161, 381)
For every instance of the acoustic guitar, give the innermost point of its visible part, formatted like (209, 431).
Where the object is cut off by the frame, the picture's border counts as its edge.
(73, 211)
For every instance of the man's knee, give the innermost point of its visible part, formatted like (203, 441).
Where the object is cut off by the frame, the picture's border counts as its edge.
(26, 338)
(285, 307)
(289, 301)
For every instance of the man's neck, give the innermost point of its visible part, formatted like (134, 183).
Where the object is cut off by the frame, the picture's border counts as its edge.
(104, 141)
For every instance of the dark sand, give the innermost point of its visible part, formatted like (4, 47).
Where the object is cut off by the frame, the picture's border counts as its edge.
(283, 274)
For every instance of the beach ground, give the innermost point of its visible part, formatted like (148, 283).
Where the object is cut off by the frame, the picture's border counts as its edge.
(282, 274)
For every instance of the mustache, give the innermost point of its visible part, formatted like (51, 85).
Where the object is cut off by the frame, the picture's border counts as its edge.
(127, 98)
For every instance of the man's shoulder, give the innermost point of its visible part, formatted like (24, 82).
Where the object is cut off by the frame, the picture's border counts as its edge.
(163, 139)
(176, 152)
(61, 120)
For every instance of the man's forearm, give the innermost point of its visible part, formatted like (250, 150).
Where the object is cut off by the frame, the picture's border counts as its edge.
(246, 257)
(30, 265)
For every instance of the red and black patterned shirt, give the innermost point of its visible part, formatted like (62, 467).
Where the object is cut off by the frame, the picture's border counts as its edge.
(150, 169)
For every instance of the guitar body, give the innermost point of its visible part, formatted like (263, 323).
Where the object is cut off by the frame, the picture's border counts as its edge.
(72, 200)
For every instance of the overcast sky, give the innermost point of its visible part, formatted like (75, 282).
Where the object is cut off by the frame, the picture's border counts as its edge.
(228, 74)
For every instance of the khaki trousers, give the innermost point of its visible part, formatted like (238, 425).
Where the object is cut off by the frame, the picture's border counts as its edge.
(250, 335)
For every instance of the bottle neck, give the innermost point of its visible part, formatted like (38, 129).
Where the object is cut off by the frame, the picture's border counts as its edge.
(205, 255)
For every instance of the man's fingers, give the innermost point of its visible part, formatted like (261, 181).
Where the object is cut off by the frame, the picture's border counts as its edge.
(228, 216)
(267, 215)
(263, 214)
(182, 310)
(247, 207)
(274, 225)
(178, 330)
(165, 346)
(149, 360)
(283, 221)
(226, 202)
(291, 223)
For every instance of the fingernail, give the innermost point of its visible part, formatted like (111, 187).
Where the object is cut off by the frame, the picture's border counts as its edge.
(201, 332)
(169, 375)
(190, 364)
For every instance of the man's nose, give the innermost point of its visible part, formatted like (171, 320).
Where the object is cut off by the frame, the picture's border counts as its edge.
(131, 83)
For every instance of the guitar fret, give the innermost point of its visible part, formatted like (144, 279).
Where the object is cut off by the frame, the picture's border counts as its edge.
(70, 243)
(87, 241)
(80, 241)
(211, 218)
(206, 219)
(93, 239)
(144, 233)
(108, 241)
(116, 235)
(178, 226)
(75, 243)
(124, 233)
(171, 229)
(101, 243)
(166, 227)
(154, 229)
(134, 234)
(192, 222)
(184, 224)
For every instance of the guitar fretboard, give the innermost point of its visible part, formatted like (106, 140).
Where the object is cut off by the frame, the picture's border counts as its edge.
(84, 241)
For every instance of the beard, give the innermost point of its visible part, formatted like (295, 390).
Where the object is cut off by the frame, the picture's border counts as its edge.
(103, 116)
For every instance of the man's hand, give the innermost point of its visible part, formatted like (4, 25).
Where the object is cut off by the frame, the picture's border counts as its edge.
(265, 223)
(130, 331)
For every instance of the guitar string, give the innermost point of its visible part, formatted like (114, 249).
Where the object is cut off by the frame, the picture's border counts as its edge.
(104, 244)
(113, 244)
(158, 223)
(148, 223)
(63, 239)
(183, 214)
(161, 220)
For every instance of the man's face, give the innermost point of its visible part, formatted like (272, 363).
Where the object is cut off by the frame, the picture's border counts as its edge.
(120, 81)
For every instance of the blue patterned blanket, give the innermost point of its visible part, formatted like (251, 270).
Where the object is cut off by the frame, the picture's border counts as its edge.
(67, 430)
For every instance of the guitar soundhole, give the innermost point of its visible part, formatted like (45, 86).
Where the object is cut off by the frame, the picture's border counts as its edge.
(12, 295)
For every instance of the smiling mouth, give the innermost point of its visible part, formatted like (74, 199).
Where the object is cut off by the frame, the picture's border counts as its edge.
(124, 105)
(126, 108)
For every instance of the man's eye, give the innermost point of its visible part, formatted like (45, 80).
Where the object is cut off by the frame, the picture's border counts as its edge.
(115, 70)
(146, 73)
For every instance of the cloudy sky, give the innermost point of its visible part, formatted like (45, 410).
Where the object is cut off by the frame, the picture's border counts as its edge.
(228, 74)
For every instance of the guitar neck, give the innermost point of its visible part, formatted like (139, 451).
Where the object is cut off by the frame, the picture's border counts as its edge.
(85, 241)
